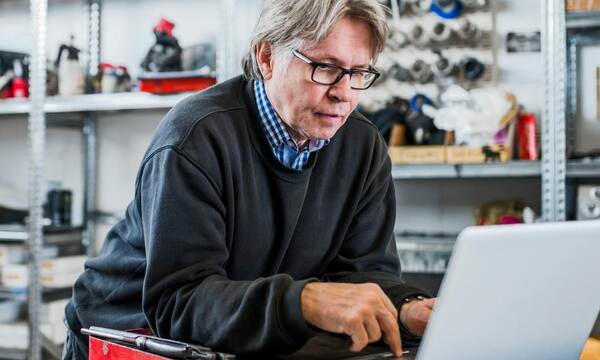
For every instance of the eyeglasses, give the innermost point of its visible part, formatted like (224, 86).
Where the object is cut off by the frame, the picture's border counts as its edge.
(330, 74)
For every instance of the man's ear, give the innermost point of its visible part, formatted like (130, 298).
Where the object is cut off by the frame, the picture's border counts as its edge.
(264, 56)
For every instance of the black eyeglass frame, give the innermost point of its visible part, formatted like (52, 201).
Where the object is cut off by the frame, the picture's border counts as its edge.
(316, 64)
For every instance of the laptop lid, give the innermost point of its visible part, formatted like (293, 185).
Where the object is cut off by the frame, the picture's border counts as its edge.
(517, 292)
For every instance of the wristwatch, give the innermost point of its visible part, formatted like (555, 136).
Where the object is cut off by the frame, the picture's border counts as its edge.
(411, 298)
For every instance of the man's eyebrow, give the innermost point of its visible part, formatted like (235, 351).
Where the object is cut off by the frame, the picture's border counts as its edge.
(334, 60)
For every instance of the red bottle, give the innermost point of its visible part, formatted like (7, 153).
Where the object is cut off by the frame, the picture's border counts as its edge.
(20, 88)
(527, 131)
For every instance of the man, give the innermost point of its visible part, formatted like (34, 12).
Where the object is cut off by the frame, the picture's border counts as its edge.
(264, 207)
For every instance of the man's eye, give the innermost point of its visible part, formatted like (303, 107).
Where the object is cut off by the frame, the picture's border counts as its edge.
(325, 67)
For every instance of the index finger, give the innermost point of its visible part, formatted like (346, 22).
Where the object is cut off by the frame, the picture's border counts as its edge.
(391, 332)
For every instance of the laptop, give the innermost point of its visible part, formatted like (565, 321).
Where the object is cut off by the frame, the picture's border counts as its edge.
(517, 292)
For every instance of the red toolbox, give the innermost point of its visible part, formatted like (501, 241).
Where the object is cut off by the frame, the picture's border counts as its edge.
(101, 349)
(172, 82)
(140, 344)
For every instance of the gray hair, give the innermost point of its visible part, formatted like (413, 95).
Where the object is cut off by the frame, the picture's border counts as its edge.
(292, 24)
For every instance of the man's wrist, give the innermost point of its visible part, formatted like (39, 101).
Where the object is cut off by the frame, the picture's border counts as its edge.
(405, 305)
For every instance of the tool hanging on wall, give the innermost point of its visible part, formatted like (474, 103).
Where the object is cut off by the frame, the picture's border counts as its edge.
(441, 33)
(420, 6)
(467, 31)
(446, 9)
(397, 39)
(421, 71)
(418, 36)
(71, 74)
(444, 67)
(472, 68)
(400, 73)
(417, 102)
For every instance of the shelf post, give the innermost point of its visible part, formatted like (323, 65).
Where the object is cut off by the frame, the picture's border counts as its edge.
(554, 116)
(92, 16)
(37, 144)
(89, 182)
(225, 48)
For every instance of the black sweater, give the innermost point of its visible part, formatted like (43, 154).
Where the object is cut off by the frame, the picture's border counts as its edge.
(221, 238)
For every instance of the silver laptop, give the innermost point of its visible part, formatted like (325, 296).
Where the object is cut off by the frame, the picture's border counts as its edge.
(517, 292)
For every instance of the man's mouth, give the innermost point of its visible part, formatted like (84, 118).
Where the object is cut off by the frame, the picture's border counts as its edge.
(331, 117)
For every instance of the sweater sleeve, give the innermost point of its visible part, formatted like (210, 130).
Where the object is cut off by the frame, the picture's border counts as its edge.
(369, 253)
(187, 295)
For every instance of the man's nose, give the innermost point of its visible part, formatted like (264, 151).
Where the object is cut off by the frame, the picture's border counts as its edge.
(341, 90)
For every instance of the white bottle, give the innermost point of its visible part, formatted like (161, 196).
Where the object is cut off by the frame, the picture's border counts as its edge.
(71, 74)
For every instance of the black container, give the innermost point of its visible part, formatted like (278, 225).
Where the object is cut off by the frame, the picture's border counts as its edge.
(59, 204)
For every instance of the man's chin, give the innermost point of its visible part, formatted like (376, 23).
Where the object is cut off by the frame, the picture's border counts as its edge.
(324, 135)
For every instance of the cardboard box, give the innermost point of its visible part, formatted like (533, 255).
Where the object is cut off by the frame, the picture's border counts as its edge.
(477, 155)
(59, 272)
(425, 154)
(582, 5)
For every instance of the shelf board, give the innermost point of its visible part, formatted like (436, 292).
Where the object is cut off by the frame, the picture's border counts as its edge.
(424, 243)
(95, 103)
(48, 294)
(583, 169)
(19, 234)
(583, 19)
(13, 354)
(456, 171)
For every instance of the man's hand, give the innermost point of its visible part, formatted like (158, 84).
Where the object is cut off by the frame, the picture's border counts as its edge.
(361, 311)
(415, 314)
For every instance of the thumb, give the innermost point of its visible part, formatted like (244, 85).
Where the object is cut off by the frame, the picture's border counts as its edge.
(430, 303)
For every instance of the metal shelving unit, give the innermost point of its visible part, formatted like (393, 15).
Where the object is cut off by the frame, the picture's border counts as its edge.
(583, 169)
(48, 294)
(582, 20)
(37, 107)
(561, 99)
(94, 103)
(553, 119)
(514, 169)
(424, 254)
(581, 29)
(52, 236)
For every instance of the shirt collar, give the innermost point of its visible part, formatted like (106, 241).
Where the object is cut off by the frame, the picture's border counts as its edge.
(273, 126)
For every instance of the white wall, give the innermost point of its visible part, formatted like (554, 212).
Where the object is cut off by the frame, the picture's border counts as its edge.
(432, 204)
(520, 73)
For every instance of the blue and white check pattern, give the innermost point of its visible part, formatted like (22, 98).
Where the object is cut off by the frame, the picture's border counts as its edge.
(282, 143)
